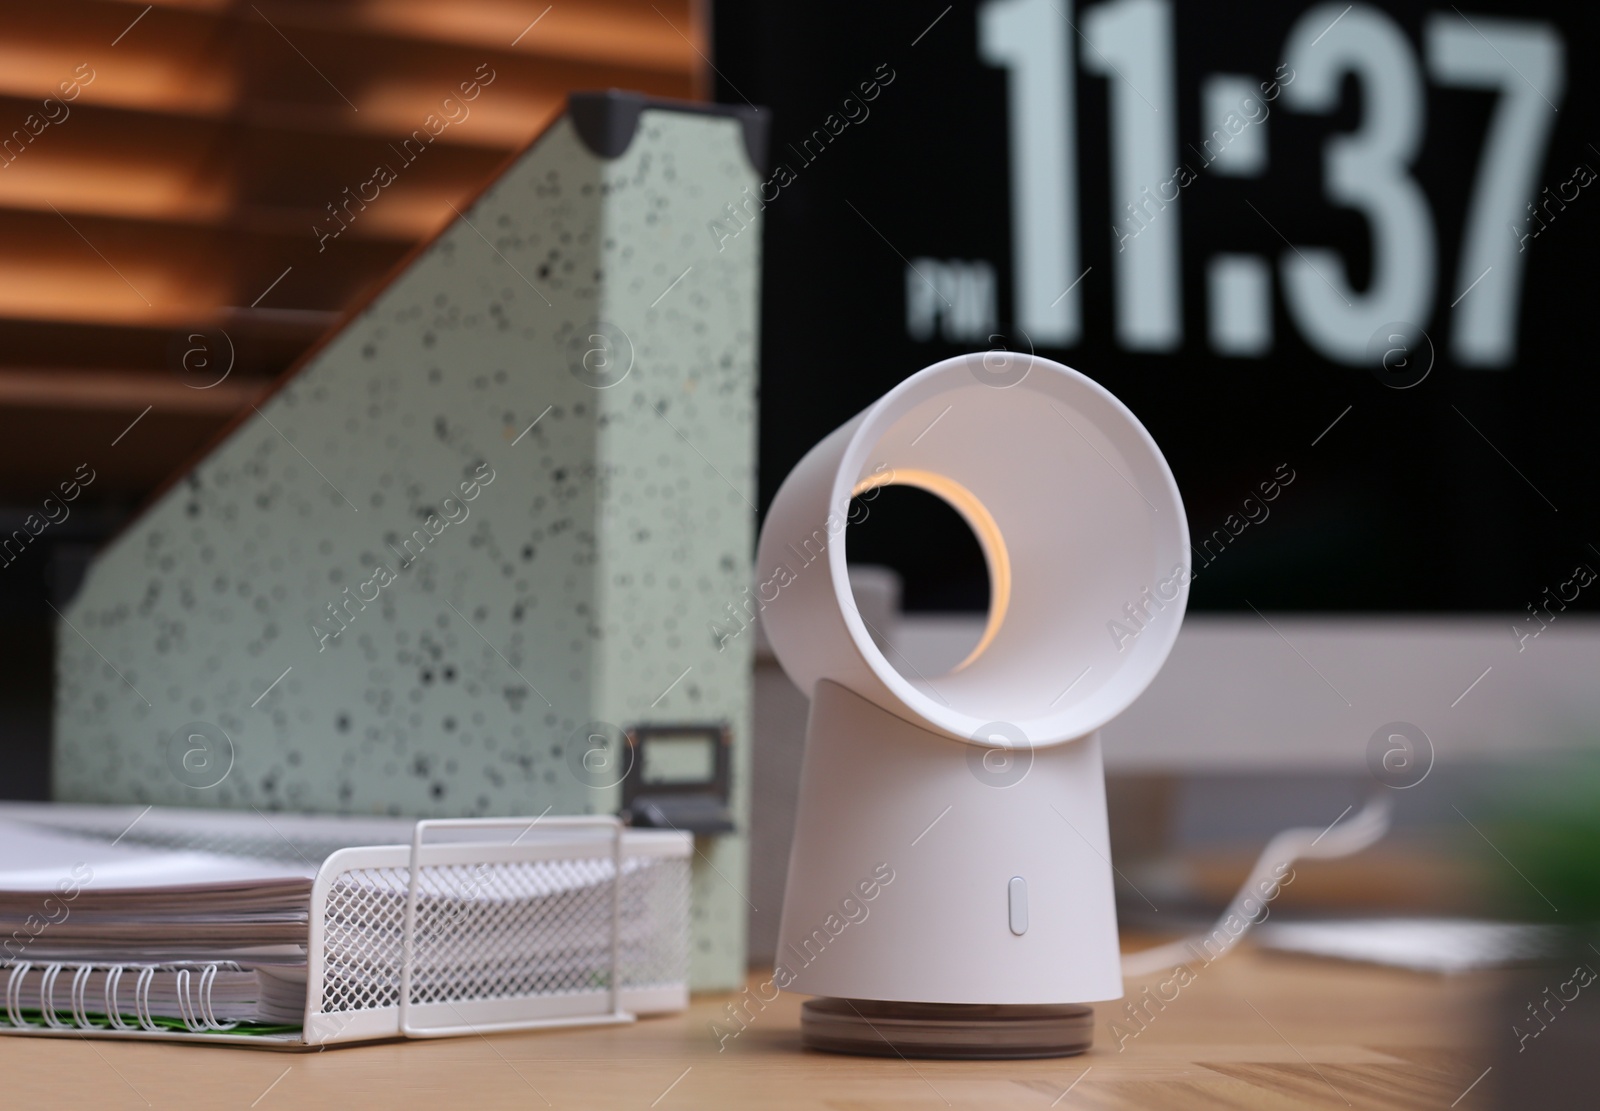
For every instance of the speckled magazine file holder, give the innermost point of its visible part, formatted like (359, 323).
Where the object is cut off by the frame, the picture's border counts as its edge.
(493, 514)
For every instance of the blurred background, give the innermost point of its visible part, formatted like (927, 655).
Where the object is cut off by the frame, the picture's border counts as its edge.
(1339, 259)
(175, 184)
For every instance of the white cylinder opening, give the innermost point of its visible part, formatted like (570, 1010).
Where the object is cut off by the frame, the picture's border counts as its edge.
(1080, 522)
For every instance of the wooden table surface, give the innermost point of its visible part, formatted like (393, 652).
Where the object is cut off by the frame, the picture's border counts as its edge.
(1253, 1031)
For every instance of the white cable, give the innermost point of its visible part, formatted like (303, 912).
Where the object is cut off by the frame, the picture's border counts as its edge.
(1365, 829)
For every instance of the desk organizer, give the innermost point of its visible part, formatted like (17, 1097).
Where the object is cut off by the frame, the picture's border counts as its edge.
(480, 533)
(431, 940)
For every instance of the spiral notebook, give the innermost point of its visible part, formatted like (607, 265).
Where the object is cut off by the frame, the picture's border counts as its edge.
(289, 931)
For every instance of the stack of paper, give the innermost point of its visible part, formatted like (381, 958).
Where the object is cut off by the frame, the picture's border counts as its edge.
(116, 919)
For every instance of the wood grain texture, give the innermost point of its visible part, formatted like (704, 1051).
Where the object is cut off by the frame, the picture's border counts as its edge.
(1253, 1031)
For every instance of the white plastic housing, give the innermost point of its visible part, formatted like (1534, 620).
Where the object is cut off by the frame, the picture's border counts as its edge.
(964, 783)
(1089, 516)
(877, 791)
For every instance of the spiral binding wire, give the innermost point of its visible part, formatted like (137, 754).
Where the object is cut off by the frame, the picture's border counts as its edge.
(14, 993)
(80, 984)
(633, 914)
(47, 997)
(113, 978)
(195, 1007)
(141, 997)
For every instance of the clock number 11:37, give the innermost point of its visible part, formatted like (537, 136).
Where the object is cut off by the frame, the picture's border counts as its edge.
(1129, 43)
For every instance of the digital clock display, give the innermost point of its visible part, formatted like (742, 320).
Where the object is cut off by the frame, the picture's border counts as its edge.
(1344, 251)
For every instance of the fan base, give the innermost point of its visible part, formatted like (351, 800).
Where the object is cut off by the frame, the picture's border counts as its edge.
(954, 1031)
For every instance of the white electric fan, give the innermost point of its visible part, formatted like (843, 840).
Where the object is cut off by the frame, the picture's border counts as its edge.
(950, 884)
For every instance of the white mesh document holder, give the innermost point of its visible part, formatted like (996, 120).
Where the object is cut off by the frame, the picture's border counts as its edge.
(574, 921)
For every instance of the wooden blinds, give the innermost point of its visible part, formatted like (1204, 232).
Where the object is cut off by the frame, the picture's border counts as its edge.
(172, 170)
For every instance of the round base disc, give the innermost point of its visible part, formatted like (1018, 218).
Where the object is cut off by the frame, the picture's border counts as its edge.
(958, 1031)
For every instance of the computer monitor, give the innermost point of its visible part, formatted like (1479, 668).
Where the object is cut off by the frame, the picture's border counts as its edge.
(1338, 259)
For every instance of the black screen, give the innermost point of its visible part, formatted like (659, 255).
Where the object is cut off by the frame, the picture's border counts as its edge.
(1313, 304)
